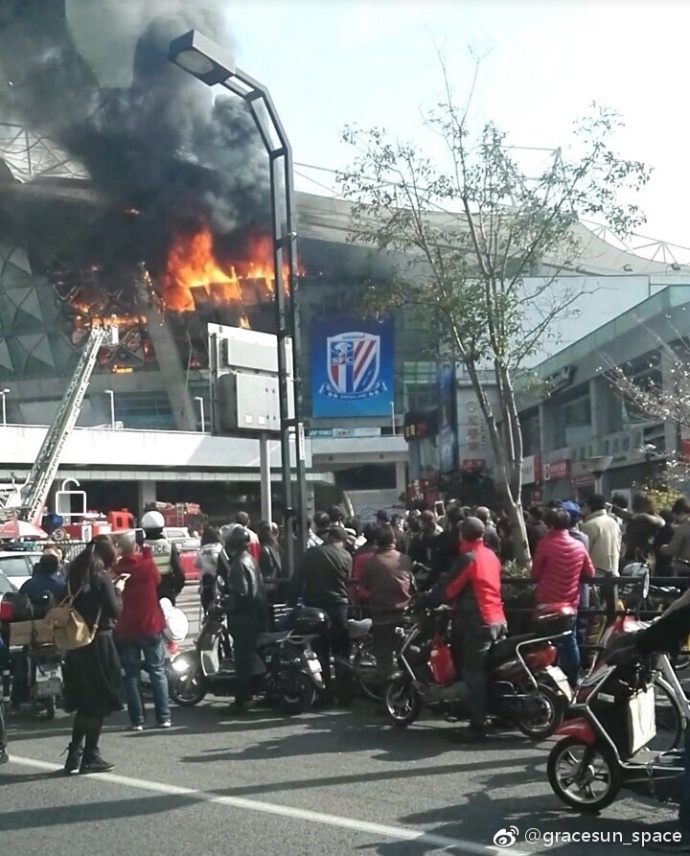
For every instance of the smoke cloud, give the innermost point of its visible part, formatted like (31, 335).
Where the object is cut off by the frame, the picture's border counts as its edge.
(160, 145)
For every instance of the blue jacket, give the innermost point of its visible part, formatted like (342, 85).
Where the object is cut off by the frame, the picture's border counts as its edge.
(41, 584)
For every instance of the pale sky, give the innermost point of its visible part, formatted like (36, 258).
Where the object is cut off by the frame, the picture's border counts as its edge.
(334, 62)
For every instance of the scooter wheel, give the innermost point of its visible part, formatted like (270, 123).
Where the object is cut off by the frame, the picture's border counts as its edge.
(403, 702)
(587, 778)
(549, 712)
(49, 708)
(187, 690)
(299, 697)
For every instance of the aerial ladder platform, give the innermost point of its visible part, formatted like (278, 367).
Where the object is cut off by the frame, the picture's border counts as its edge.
(29, 500)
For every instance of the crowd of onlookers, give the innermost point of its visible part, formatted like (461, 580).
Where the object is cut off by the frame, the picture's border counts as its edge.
(117, 586)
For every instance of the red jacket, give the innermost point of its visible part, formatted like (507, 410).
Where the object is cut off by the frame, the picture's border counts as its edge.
(359, 560)
(482, 575)
(141, 611)
(561, 563)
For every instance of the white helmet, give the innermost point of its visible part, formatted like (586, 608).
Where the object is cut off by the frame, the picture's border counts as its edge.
(152, 520)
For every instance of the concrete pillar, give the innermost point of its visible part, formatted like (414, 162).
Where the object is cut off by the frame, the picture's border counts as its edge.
(673, 435)
(545, 436)
(400, 477)
(597, 408)
(146, 494)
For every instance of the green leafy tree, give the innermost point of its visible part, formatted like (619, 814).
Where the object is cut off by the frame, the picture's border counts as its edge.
(463, 237)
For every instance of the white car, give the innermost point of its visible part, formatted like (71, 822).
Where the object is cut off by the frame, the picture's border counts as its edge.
(6, 586)
(18, 566)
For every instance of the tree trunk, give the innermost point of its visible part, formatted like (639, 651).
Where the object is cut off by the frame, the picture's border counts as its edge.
(518, 532)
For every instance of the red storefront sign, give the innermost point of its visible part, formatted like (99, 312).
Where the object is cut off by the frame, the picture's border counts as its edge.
(556, 470)
(423, 490)
(538, 469)
(585, 480)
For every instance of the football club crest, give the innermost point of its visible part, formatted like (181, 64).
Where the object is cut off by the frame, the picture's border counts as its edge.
(353, 366)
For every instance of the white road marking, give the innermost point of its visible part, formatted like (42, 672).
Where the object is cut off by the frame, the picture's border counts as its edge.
(397, 833)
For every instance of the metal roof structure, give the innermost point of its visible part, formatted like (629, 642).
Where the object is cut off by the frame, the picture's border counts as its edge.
(601, 252)
(28, 156)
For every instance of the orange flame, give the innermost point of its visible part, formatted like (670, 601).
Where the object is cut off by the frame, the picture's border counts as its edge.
(194, 272)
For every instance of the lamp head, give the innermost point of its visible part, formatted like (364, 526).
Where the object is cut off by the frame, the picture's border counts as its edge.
(202, 58)
(598, 466)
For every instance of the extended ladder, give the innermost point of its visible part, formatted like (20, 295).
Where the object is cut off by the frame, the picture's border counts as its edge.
(35, 489)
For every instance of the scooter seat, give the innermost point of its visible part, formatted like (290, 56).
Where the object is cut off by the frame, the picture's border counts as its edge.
(359, 629)
(504, 648)
(271, 638)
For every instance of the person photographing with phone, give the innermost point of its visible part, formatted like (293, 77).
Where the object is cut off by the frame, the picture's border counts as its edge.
(139, 631)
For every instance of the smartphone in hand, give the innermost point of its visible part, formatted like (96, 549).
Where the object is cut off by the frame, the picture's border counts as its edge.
(139, 536)
(121, 581)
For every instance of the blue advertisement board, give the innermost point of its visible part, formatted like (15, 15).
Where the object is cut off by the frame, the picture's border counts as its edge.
(352, 367)
(447, 419)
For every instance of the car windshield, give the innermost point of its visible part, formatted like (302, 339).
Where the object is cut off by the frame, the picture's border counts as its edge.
(5, 585)
(15, 566)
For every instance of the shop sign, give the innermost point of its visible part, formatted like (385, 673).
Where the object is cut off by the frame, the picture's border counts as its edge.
(529, 475)
(420, 425)
(560, 380)
(586, 480)
(555, 470)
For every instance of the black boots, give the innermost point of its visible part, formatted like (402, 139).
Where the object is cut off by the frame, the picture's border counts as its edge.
(92, 762)
(73, 762)
(88, 761)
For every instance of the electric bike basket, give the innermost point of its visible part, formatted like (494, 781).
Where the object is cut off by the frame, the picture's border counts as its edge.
(624, 705)
(26, 625)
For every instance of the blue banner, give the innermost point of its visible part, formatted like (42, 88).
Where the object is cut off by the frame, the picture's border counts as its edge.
(352, 367)
(447, 419)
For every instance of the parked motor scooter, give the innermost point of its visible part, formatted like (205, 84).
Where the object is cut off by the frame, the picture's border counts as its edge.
(176, 630)
(287, 671)
(525, 686)
(37, 666)
(633, 592)
(600, 751)
(45, 679)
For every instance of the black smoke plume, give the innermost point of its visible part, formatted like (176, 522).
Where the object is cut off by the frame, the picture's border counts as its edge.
(162, 146)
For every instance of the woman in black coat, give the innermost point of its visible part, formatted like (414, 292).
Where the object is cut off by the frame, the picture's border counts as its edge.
(92, 674)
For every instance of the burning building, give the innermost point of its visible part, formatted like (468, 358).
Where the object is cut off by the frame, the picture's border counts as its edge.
(107, 165)
(95, 180)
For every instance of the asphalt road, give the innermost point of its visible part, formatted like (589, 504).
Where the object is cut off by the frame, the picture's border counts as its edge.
(328, 782)
(335, 782)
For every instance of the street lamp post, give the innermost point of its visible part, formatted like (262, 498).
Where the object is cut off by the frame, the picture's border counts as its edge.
(207, 61)
(201, 412)
(112, 407)
(4, 393)
(597, 467)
